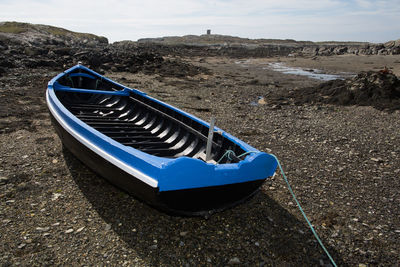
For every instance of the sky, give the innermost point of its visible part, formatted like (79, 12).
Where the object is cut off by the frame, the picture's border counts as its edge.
(307, 20)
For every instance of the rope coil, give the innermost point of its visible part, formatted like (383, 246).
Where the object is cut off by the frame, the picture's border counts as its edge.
(230, 153)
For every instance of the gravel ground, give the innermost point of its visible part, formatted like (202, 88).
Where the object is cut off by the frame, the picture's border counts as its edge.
(343, 164)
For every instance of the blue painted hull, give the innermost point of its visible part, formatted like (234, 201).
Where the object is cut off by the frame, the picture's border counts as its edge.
(149, 148)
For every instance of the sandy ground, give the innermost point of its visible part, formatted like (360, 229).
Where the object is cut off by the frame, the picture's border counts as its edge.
(343, 164)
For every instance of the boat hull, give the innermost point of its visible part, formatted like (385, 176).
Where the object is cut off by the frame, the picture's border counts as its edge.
(190, 202)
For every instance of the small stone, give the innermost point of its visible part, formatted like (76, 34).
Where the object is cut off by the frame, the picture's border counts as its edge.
(10, 201)
(55, 196)
(55, 224)
(108, 227)
(183, 233)
(42, 229)
(378, 160)
(181, 243)
(153, 247)
(22, 186)
(234, 261)
(6, 221)
(3, 180)
(276, 107)
(257, 244)
(55, 161)
(80, 229)
(46, 234)
(335, 234)
(69, 231)
(362, 265)
(25, 156)
(22, 245)
(261, 101)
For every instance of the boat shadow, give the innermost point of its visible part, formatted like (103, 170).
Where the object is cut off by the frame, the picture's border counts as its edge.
(256, 233)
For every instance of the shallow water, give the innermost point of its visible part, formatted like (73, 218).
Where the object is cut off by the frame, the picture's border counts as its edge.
(311, 73)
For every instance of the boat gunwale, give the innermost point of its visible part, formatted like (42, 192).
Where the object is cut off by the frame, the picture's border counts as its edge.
(244, 146)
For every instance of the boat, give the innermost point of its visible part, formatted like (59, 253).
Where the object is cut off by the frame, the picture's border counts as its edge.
(158, 153)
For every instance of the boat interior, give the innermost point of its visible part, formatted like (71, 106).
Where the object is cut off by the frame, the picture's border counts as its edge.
(136, 120)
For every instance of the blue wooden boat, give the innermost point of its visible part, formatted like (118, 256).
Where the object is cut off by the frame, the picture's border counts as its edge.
(151, 149)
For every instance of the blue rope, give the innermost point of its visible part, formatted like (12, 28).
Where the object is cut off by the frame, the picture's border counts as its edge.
(230, 153)
(303, 213)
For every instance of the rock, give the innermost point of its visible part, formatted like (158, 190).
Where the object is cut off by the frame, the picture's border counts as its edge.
(36, 63)
(276, 107)
(378, 160)
(234, 261)
(379, 89)
(63, 51)
(261, 101)
(55, 196)
(69, 231)
(3, 180)
(22, 186)
(2, 71)
(80, 229)
(153, 247)
(108, 227)
(22, 245)
(183, 233)
(34, 51)
(7, 63)
(42, 229)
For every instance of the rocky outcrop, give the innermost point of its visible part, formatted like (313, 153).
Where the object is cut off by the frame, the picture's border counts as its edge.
(388, 48)
(27, 34)
(242, 47)
(378, 89)
(24, 45)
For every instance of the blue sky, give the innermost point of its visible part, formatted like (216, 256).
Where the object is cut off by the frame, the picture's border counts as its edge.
(315, 20)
